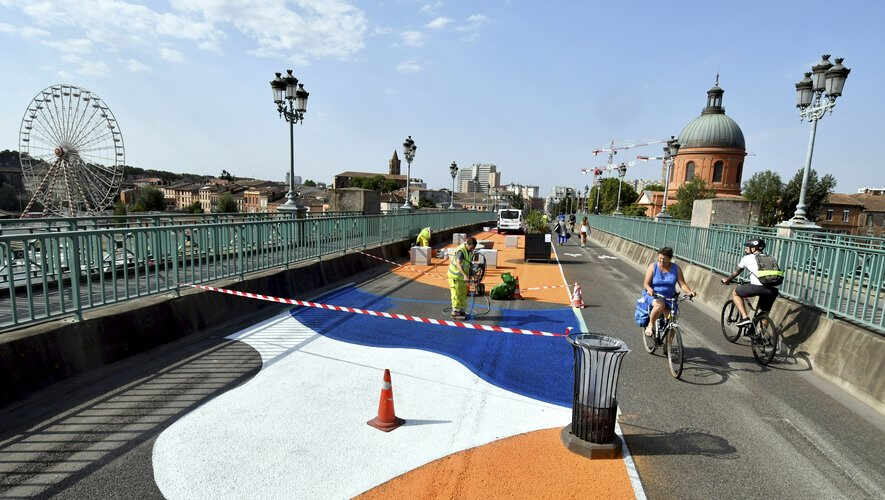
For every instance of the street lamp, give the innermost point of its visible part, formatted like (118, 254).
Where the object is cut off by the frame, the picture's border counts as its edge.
(596, 173)
(670, 152)
(291, 100)
(586, 196)
(825, 79)
(475, 183)
(622, 171)
(409, 149)
(453, 170)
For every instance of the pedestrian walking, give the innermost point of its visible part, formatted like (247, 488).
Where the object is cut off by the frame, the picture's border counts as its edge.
(585, 232)
(561, 231)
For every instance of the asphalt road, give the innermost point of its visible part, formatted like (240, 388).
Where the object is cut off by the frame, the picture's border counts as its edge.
(729, 428)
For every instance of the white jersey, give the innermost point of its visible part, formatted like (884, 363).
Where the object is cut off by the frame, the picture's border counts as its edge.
(749, 263)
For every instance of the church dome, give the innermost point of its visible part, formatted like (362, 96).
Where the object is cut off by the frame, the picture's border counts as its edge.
(713, 129)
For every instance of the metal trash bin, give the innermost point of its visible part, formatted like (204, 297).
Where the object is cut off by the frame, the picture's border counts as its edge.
(594, 404)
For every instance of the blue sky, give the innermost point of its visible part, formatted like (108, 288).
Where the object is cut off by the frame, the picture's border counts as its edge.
(533, 87)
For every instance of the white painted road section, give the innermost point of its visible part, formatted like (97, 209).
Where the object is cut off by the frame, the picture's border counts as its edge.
(298, 428)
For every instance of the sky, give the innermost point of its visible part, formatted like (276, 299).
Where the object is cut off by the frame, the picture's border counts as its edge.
(532, 87)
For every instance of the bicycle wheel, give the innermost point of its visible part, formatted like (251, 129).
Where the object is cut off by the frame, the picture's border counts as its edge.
(648, 342)
(674, 351)
(730, 315)
(765, 342)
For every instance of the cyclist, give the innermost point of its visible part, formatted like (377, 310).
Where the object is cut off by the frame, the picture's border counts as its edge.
(661, 278)
(759, 265)
(571, 222)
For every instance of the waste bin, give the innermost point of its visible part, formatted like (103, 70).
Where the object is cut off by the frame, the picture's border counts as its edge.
(594, 403)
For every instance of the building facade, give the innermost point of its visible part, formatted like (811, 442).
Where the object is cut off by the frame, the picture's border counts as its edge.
(393, 166)
(712, 148)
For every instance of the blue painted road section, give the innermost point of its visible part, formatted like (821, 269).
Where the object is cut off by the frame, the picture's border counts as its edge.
(537, 367)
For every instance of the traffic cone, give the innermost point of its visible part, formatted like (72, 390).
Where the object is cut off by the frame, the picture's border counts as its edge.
(516, 293)
(386, 419)
(577, 297)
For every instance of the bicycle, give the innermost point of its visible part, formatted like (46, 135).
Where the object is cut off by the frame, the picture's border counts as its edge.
(764, 337)
(668, 334)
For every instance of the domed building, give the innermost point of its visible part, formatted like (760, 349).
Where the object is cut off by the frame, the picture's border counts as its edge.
(711, 148)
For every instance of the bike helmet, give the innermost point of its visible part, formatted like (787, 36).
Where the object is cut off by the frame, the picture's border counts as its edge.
(755, 243)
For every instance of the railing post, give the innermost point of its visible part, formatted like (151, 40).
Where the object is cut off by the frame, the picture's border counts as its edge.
(75, 279)
(835, 277)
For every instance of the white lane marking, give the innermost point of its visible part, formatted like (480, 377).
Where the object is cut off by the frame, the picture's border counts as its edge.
(607, 257)
(302, 419)
(572, 254)
(632, 471)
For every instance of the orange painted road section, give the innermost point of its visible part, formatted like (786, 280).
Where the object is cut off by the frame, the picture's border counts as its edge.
(532, 465)
(531, 274)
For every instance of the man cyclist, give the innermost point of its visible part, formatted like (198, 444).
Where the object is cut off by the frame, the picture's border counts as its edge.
(765, 276)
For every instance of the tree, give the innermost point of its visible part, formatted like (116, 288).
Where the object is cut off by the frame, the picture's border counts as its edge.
(816, 194)
(608, 195)
(695, 189)
(194, 208)
(226, 204)
(389, 186)
(765, 188)
(225, 175)
(150, 199)
(515, 200)
(310, 183)
(653, 187)
(634, 210)
(120, 208)
(425, 203)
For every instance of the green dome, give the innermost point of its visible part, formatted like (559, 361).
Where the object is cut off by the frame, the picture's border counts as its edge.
(713, 129)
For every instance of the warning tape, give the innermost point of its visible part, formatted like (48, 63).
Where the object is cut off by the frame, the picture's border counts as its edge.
(380, 314)
(397, 264)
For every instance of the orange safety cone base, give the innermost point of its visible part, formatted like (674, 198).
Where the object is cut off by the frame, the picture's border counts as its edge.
(386, 426)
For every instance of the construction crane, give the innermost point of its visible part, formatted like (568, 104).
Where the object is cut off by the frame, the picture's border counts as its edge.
(612, 150)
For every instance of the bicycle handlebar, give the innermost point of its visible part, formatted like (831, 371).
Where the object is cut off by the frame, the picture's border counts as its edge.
(738, 280)
(680, 298)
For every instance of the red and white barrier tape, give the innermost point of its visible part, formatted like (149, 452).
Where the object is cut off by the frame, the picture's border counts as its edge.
(379, 314)
(397, 264)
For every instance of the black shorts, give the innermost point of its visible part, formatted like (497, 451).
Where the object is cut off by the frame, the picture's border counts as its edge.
(766, 294)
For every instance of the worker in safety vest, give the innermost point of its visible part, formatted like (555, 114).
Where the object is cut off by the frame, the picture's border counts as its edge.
(423, 238)
(459, 272)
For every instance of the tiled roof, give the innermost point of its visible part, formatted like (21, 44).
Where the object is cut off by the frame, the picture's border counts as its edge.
(843, 199)
(871, 202)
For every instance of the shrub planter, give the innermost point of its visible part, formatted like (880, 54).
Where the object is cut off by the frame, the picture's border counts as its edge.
(537, 247)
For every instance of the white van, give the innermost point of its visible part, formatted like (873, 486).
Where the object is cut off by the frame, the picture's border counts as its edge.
(510, 219)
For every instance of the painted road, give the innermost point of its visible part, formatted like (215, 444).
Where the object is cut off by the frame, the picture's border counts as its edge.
(276, 407)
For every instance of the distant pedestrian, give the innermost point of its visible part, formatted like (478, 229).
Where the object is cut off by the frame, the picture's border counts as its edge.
(560, 229)
(585, 232)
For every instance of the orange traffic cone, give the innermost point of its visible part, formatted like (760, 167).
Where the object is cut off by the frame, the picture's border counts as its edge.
(516, 293)
(577, 297)
(386, 419)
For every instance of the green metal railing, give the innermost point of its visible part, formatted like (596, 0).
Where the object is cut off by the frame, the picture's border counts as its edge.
(838, 276)
(51, 274)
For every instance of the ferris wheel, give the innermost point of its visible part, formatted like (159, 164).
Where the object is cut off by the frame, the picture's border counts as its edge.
(71, 152)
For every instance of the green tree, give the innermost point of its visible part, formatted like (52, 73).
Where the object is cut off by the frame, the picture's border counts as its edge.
(225, 175)
(150, 199)
(515, 201)
(194, 208)
(226, 204)
(695, 189)
(389, 185)
(653, 187)
(816, 194)
(608, 195)
(765, 188)
(634, 210)
(120, 208)
(310, 183)
(425, 203)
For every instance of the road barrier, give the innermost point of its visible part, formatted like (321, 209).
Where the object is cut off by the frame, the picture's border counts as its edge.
(53, 274)
(381, 314)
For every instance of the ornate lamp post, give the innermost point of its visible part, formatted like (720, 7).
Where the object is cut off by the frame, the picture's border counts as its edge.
(453, 170)
(622, 171)
(475, 183)
(825, 80)
(409, 149)
(596, 173)
(586, 196)
(670, 152)
(291, 100)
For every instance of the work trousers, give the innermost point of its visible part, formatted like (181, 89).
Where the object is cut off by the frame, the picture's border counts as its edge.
(458, 287)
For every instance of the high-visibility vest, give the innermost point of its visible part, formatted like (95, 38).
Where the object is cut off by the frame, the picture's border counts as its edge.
(424, 234)
(456, 271)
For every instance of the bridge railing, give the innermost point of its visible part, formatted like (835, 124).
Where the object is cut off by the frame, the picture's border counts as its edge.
(843, 277)
(52, 274)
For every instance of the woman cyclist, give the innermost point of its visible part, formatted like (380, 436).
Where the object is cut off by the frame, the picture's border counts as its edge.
(661, 278)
